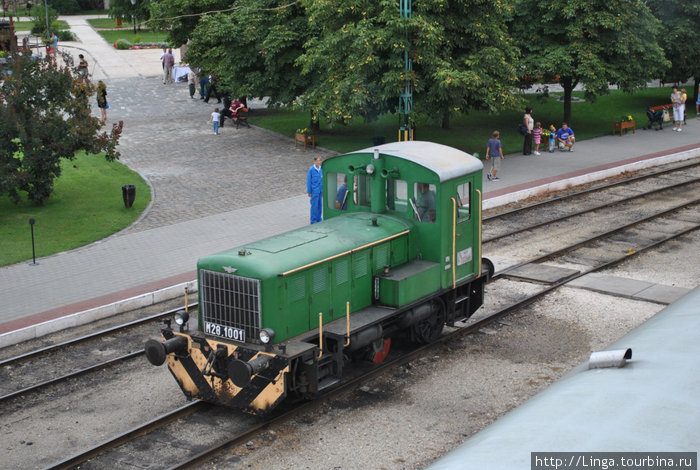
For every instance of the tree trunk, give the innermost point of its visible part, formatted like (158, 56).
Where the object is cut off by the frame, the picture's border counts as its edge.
(445, 118)
(567, 84)
(314, 125)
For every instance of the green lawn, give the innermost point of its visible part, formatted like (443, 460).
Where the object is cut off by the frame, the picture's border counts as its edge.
(109, 23)
(86, 206)
(111, 36)
(471, 132)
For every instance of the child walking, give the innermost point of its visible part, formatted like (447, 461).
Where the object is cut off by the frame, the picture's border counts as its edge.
(495, 150)
(214, 119)
(552, 138)
(537, 137)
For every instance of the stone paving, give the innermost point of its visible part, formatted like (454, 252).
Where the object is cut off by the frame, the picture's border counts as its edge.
(167, 138)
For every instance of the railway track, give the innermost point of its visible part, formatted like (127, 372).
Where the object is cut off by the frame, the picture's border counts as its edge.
(75, 357)
(589, 200)
(614, 244)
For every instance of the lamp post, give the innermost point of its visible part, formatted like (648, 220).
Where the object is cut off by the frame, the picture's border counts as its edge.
(46, 10)
(133, 14)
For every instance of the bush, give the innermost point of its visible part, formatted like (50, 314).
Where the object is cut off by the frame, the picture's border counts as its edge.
(65, 36)
(65, 7)
(122, 44)
(39, 18)
(137, 39)
(91, 4)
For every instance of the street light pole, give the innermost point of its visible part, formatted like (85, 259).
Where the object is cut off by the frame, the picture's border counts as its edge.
(46, 10)
(133, 14)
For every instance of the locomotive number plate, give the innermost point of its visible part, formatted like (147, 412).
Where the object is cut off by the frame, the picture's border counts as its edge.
(228, 332)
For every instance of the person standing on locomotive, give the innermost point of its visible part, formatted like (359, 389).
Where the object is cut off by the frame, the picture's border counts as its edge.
(314, 188)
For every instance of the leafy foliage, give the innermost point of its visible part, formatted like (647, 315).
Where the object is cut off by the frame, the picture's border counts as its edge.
(252, 49)
(461, 54)
(44, 117)
(592, 42)
(124, 10)
(681, 34)
(39, 19)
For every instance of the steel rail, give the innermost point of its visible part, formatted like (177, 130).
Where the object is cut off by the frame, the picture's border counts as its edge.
(592, 190)
(74, 341)
(591, 209)
(141, 430)
(573, 246)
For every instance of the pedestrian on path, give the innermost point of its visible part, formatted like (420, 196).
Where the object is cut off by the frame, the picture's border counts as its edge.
(537, 137)
(102, 99)
(162, 63)
(494, 150)
(168, 63)
(314, 188)
(214, 119)
(53, 43)
(529, 124)
(552, 138)
(192, 81)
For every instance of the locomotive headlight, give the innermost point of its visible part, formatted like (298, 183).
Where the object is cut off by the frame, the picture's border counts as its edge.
(267, 335)
(181, 317)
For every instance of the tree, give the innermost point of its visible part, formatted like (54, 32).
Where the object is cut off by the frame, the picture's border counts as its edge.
(461, 54)
(252, 50)
(138, 11)
(44, 117)
(679, 38)
(595, 43)
(180, 17)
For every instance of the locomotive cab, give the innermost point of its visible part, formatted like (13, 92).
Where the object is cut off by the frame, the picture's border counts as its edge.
(437, 188)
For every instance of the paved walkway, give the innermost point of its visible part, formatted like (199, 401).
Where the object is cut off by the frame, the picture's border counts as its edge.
(214, 192)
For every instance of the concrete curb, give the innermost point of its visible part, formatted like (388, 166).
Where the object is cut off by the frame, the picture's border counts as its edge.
(97, 313)
(587, 178)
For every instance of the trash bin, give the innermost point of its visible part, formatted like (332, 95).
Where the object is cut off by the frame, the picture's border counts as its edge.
(128, 194)
(378, 140)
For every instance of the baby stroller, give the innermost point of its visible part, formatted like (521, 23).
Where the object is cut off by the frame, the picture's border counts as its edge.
(655, 117)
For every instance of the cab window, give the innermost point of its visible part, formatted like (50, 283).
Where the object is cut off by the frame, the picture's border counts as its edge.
(424, 202)
(362, 195)
(396, 195)
(464, 201)
(338, 195)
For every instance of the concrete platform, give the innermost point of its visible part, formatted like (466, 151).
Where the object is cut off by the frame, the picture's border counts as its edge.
(630, 288)
(544, 273)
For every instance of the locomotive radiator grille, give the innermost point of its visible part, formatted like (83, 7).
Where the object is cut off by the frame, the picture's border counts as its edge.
(231, 302)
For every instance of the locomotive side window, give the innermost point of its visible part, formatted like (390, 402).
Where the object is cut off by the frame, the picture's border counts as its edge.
(362, 195)
(337, 197)
(424, 203)
(463, 201)
(396, 195)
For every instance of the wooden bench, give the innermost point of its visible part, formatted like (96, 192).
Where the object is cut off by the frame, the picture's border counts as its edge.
(621, 125)
(670, 111)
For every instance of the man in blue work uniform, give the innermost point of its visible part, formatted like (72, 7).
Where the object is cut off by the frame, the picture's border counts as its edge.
(314, 185)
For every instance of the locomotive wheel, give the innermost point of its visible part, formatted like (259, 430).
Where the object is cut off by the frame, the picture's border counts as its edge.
(487, 268)
(429, 330)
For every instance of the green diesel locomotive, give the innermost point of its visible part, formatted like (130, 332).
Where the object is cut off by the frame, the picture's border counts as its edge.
(399, 251)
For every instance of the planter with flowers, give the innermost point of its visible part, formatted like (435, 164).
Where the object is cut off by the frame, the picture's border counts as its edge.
(625, 122)
(304, 136)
